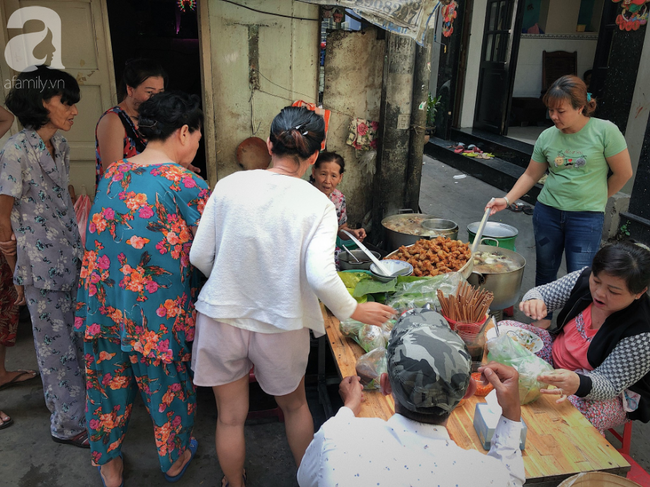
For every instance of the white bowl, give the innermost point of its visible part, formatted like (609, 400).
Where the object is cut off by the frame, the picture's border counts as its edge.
(397, 267)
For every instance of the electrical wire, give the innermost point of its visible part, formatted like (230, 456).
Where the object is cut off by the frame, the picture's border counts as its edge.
(269, 13)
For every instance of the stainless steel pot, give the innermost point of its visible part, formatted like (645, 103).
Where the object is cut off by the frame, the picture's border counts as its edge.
(413, 229)
(506, 285)
(441, 227)
(348, 263)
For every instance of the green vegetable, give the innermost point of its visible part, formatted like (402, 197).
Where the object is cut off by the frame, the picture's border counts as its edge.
(351, 279)
(370, 286)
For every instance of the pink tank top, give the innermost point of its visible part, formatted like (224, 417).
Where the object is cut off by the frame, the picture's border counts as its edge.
(571, 345)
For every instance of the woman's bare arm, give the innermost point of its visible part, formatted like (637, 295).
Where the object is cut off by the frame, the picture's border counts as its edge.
(110, 136)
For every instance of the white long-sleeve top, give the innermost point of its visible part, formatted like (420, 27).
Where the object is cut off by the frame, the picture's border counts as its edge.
(363, 452)
(266, 243)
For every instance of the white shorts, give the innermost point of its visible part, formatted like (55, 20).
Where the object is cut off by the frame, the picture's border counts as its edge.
(223, 354)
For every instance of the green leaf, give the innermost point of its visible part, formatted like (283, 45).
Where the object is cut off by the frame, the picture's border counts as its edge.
(370, 286)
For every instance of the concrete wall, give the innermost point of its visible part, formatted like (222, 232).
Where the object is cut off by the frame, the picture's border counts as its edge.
(353, 78)
(284, 50)
(638, 119)
(528, 77)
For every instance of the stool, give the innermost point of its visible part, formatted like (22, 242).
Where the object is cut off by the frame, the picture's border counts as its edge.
(625, 439)
(636, 473)
(264, 413)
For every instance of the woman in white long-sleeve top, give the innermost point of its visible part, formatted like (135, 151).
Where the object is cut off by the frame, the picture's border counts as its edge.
(265, 242)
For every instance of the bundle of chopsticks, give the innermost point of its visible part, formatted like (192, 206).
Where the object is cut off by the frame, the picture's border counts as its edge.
(469, 305)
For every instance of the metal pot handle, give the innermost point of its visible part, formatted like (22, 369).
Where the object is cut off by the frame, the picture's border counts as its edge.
(480, 277)
(489, 238)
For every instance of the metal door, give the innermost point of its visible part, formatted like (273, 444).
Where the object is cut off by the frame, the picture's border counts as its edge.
(497, 69)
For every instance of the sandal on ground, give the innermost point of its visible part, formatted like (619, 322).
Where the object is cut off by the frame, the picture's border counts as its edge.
(224, 482)
(80, 440)
(194, 445)
(460, 147)
(99, 469)
(16, 380)
(528, 210)
(516, 207)
(5, 422)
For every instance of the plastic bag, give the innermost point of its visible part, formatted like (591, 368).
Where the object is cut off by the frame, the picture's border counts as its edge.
(371, 337)
(505, 350)
(82, 210)
(350, 328)
(370, 366)
(420, 292)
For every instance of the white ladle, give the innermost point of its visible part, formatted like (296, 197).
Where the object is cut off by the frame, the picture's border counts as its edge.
(384, 270)
(481, 227)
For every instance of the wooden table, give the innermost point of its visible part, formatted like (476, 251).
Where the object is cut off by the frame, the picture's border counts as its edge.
(560, 441)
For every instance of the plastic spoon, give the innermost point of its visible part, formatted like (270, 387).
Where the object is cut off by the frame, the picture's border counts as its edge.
(481, 227)
(384, 270)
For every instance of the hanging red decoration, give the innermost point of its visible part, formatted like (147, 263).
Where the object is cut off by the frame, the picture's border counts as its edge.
(187, 5)
(634, 14)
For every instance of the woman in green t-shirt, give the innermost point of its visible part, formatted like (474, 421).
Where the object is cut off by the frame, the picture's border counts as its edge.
(578, 152)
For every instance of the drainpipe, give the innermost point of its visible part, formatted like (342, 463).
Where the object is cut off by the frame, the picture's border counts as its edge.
(389, 188)
(421, 75)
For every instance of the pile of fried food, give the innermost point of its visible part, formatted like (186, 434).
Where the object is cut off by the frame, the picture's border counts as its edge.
(434, 257)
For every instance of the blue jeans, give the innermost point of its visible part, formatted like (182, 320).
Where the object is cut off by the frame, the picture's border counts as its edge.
(576, 233)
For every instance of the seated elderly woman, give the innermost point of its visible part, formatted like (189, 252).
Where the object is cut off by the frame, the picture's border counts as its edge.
(135, 302)
(601, 348)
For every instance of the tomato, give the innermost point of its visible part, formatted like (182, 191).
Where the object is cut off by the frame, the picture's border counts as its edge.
(481, 388)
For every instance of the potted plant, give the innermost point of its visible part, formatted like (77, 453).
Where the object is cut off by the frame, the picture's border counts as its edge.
(432, 108)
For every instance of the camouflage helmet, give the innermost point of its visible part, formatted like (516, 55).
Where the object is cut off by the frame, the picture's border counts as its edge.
(429, 365)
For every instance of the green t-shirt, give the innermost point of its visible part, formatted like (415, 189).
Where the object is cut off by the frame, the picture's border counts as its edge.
(577, 165)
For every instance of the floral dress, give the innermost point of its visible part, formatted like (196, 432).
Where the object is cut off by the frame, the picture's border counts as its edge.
(341, 214)
(135, 305)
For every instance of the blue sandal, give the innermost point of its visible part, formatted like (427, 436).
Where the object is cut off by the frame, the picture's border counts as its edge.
(99, 469)
(194, 445)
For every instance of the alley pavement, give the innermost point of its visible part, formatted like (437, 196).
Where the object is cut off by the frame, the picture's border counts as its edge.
(29, 458)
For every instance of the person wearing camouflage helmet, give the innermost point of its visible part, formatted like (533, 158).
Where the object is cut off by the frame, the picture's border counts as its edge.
(428, 374)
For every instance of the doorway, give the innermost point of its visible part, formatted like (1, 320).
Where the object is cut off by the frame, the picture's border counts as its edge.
(498, 61)
(165, 31)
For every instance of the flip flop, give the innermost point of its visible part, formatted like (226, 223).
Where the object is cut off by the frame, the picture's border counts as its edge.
(194, 445)
(99, 469)
(226, 484)
(7, 423)
(516, 207)
(15, 381)
(528, 210)
(459, 148)
(80, 440)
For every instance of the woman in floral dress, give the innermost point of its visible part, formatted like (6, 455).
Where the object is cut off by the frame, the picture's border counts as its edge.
(135, 302)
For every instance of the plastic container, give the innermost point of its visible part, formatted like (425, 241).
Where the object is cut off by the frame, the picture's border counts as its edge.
(495, 234)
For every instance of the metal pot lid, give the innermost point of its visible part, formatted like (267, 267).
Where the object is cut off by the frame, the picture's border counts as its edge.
(494, 230)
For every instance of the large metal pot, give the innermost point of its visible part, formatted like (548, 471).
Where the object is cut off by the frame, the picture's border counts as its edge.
(410, 229)
(505, 286)
(440, 227)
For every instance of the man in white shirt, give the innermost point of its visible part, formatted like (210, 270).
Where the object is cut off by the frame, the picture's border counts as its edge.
(428, 373)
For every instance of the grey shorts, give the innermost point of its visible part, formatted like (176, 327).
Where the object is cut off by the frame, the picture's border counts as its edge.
(223, 354)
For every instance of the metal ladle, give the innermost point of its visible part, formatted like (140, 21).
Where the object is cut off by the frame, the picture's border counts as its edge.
(376, 261)
(351, 254)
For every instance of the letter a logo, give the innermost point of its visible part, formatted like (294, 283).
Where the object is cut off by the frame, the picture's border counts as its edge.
(22, 50)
